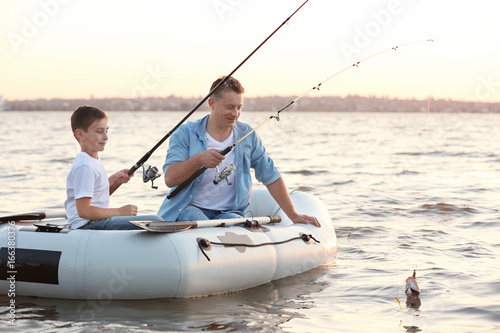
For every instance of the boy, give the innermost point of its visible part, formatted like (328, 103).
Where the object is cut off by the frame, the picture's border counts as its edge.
(87, 186)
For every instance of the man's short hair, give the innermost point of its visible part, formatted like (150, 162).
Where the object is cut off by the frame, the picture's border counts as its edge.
(231, 84)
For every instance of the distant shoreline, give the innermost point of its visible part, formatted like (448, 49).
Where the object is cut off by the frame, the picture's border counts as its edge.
(351, 103)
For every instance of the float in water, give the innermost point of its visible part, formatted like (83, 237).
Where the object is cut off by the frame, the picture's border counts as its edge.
(184, 262)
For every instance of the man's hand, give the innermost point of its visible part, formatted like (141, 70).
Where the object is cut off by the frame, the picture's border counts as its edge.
(211, 158)
(301, 218)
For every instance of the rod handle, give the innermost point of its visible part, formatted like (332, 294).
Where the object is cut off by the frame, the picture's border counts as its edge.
(188, 181)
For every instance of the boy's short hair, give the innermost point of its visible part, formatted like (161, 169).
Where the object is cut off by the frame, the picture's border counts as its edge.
(84, 116)
(231, 84)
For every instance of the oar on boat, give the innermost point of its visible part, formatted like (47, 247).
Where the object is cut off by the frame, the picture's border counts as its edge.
(185, 225)
(36, 216)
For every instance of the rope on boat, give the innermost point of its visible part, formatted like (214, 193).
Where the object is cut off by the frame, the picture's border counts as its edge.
(205, 244)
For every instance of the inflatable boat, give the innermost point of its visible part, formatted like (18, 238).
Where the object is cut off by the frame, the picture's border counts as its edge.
(165, 260)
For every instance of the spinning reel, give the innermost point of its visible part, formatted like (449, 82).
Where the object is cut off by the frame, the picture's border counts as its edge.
(220, 176)
(150, 174)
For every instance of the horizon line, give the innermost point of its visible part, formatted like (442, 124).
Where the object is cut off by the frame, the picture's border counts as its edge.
(253, 97)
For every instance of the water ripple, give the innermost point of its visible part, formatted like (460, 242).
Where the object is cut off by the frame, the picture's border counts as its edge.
(444, 208)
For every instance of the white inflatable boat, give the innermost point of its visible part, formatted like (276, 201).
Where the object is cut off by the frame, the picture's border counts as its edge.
(88, 264)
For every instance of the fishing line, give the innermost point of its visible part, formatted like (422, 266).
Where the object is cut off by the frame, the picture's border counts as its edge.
(146, 156)
(356, 64)
(318, 86)
(276, 115)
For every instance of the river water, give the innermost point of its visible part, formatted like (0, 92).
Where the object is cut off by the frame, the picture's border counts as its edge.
(405, 192)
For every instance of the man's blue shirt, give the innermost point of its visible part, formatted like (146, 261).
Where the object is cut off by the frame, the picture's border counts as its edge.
(190, 139)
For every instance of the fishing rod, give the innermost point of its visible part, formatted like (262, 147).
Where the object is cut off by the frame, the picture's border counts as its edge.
(276, 116)
(146, 156)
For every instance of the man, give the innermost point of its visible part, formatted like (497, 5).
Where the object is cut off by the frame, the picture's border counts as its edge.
(197, 144)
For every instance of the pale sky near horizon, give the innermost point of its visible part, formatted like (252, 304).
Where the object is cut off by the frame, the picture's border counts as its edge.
(130, 48)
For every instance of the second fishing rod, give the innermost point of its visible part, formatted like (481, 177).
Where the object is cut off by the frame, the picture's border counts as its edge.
(152, 172)
(226, 172)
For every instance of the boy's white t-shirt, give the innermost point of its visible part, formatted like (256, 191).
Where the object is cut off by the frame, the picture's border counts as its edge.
(86, 179)
(222, 195)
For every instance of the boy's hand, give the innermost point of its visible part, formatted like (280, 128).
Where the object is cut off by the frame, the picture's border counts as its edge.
(128, 210)
(123, 177)
(117, 179)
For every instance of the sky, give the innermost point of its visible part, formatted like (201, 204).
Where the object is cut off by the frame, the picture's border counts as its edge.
(131, 48)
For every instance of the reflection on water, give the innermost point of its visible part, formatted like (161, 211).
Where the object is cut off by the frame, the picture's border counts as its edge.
(413, 302)
(269, 306)
(405, 191)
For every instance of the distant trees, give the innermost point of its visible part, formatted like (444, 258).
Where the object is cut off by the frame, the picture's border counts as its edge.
(351, 103)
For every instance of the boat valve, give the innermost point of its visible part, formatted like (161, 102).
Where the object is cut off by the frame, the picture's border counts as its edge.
(150, 174)
(307, 238)
(219, 176)
(204, 244)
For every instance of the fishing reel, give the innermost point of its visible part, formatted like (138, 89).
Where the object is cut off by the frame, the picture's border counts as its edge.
(219, 176)
(150, 174)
